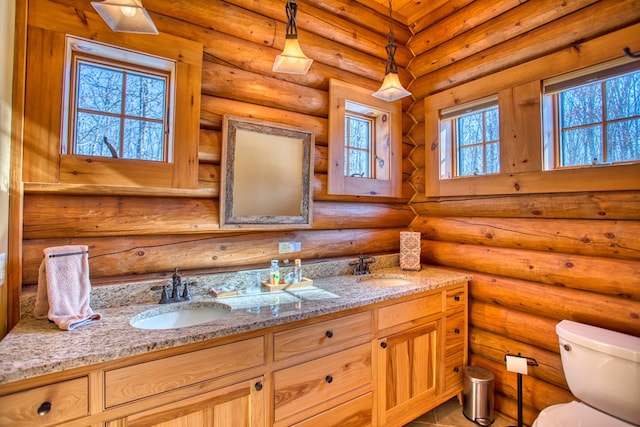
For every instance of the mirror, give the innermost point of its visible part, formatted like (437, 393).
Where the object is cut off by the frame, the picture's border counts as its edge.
(267, 171)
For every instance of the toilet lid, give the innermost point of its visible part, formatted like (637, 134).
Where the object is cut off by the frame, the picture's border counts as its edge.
(576, 414)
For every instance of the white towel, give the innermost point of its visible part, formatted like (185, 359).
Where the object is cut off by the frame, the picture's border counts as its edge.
(64, 287)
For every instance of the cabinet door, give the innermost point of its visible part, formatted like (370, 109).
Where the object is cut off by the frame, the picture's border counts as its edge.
(407, 366)
(239, 405)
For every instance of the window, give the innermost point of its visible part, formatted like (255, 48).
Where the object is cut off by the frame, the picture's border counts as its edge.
(118, 109)
(358, 135)
(365, 137)
(470, 139)
(592, 117)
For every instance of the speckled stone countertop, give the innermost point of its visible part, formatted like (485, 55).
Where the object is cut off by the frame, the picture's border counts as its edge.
(37, 347)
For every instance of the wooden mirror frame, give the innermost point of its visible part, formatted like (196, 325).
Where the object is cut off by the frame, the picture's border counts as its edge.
(266, 174)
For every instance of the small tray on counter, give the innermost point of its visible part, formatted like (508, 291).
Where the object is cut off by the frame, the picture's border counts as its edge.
(266, 286)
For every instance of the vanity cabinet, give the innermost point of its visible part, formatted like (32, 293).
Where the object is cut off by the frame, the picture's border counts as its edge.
(329, 379)
(379, 365)
(420, 353)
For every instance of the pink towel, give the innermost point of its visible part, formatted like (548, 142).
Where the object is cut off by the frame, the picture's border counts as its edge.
(64, 287)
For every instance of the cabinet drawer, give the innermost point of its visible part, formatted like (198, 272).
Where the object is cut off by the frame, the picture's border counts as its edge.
(147, 379)
(308, 384)
(312, 337)
(407, 311)
(356, 412)
(67, 400)
(456, 299)
(454, 367)
(454, 333)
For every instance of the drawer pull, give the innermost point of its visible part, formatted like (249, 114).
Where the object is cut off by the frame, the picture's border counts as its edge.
(456, 369)
(329, 334)
(383, 344)
(258, 386)
(456, 298)
(456, 330)
(44, 409)
(328, 379)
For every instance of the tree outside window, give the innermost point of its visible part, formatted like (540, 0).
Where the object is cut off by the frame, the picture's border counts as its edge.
(594, 123)
(470, 139)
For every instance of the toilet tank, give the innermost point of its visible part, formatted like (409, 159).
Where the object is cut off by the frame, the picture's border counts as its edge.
(602, 368)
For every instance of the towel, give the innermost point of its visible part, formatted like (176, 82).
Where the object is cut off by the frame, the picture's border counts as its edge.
(64, 287)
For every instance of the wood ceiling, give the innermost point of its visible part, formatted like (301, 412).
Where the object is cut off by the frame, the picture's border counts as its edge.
(406, 11)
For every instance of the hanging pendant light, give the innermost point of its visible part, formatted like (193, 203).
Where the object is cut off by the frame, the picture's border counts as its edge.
(391, 89)
(125, 16)
(292, 60)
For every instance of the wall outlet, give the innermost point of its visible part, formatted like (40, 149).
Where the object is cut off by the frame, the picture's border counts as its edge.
(288, 247)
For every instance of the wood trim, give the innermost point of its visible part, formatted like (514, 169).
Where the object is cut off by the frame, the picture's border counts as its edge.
(14, 258)
(340, 92)
(517, 88)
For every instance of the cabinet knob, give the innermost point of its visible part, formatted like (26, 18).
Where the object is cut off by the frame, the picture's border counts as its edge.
(456, 369)
(329, 334)
(383, 344)
(44, 409)
(456, 298)
(328, 379)
(456, 330)
(258, 386)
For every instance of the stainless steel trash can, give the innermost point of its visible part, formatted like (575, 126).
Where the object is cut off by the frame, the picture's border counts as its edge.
(477, 395)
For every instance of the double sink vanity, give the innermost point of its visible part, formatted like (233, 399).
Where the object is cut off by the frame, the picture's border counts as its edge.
(350, 350)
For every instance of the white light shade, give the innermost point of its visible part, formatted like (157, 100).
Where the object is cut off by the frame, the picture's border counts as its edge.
(292, 60)
(391, 89)
(125, 16)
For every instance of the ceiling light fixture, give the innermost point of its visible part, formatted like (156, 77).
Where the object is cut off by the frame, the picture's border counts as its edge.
(391, 89)
(292, 60)
(125, 16)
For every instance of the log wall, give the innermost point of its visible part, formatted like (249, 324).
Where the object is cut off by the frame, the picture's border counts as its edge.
(150, 232)
(535, 258)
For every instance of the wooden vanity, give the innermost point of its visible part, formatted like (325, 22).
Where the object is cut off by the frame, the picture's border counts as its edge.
(380, 364)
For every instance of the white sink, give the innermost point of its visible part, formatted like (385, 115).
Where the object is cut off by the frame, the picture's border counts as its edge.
(384, 280)
(180, 315)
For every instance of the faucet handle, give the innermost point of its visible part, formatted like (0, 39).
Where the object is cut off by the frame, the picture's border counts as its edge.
(185, 292)
(164, 297)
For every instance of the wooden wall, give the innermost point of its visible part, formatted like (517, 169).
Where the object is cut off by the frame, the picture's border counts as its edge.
(149, 232)
(535, 258)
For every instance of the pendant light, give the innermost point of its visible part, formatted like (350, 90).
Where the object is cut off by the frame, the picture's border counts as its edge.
(125, 16)
(391, 89)
(292, 60)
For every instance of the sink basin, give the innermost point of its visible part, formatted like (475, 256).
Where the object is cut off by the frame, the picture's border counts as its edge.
(384, 281)
(180, 315)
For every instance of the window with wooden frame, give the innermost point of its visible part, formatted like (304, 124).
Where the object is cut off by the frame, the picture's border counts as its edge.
(365, 137)
(118, 109)
(592, 117)
(470, 139)
(121, 111)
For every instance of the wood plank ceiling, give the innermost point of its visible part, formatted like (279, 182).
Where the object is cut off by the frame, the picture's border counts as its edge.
(406, 11)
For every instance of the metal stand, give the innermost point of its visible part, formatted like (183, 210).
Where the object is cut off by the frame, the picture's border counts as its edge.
(530, 362)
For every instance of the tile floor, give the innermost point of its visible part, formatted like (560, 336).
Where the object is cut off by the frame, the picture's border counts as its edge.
(449, 414)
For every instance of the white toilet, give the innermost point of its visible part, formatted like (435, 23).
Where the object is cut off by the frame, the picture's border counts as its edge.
(602, 369)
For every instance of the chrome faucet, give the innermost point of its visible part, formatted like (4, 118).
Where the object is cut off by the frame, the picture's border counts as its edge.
(361, 266)
(176, 281)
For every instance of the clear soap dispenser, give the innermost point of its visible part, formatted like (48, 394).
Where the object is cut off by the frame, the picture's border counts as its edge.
(274, 272)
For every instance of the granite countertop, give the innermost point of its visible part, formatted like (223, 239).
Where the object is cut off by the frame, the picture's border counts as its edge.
(37, 347)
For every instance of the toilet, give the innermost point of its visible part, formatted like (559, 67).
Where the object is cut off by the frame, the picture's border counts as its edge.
(602, 369)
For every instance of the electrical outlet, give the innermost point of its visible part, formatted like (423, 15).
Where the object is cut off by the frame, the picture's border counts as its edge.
(288, 247)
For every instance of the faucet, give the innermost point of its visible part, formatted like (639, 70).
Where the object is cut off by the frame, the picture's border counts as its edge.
(361, 266)
(175, 294)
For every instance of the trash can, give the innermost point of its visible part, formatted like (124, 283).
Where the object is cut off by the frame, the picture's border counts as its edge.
(477, 395)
